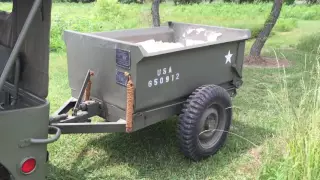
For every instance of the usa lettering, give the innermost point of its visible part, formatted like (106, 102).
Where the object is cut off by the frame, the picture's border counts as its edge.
(163, 76)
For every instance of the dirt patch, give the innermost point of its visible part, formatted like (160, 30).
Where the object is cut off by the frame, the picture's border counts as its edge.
(251, 167)
(256, 153)
(266, 62)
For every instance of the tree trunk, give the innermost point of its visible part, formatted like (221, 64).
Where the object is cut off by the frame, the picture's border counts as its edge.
(257, 46)
(155, 13)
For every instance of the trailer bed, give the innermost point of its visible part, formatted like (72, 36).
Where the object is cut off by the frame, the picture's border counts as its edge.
(160, 77)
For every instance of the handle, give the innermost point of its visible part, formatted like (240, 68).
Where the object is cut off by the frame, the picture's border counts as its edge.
(49, 140)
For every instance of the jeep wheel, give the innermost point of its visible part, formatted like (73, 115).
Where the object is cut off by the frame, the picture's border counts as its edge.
(203, 125)
(4, 173)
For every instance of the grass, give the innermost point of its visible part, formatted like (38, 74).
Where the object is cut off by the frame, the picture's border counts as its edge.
(294, 22)
(310, 42)
(300, 152)
(276, 111)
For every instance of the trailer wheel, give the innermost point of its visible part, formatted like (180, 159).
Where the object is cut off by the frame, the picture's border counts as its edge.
(203, 125)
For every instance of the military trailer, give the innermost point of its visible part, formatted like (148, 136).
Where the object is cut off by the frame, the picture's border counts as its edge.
(131, 79)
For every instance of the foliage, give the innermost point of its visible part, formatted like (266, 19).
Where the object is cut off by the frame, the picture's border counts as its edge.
(313, 1)
(289, 2)
(259, 116)
(285, 25)
(301, 12)
(297, 155)
(176, 2)
(62, 1)
(73, 1)
(109, 10)
(309, 42)
(109, 15)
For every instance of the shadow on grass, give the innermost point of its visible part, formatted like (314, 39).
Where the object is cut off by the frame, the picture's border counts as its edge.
(152, 153)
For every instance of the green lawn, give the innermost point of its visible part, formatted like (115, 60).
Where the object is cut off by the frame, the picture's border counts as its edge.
(262, 109)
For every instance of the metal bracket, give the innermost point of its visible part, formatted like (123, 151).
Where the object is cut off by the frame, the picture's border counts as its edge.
(85, 111)
(83, 88)
(16, 82)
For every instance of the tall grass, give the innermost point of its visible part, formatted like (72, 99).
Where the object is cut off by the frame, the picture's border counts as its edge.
(309, 43)
(297, 155)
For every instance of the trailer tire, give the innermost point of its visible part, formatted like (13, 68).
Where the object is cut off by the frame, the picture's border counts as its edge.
(206, 101)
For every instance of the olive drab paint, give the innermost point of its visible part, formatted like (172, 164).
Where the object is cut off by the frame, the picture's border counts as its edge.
(24, 123)
(162, 80)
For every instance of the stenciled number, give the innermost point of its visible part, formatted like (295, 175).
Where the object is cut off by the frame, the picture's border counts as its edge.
(177, 76)
(164, 79)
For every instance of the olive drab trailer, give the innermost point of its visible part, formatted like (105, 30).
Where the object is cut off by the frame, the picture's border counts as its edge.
(130, 78)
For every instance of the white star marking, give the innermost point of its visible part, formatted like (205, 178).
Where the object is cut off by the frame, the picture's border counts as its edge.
(228, 57)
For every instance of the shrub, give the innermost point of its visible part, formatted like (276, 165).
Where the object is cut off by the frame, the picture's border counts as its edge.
(137, 1)
(289, 2)
(187, 1)
(57, 26)
(254, 28)
(73, 1)
(285, 25)
(310, 42)
(313, 1)
(108, 10)
(301, 12)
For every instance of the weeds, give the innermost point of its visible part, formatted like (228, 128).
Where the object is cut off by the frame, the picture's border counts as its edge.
(300, 154)
(309, 43)
(285, 25)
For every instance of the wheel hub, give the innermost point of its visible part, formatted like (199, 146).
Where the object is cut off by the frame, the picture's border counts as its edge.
(210, 123)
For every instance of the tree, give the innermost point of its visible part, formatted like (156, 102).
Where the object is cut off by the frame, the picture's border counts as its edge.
(155, 13)
(255, 52)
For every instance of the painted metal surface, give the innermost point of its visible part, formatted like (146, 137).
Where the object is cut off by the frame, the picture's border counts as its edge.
(162, 79)
(34, 47)
(24, 129)
(24, 112)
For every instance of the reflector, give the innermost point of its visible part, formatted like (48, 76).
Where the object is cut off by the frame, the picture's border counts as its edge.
(28, 166)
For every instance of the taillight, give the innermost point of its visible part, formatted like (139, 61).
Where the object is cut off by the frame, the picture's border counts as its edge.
(28, 165)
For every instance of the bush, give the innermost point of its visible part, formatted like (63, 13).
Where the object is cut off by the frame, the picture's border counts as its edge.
(73, 1)
(285, 25)
(254, 28)
(289, 2)
(187, 1)
(57, 28)
(313, 1)
(108, 10)
(309, 43)
(301, 12)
